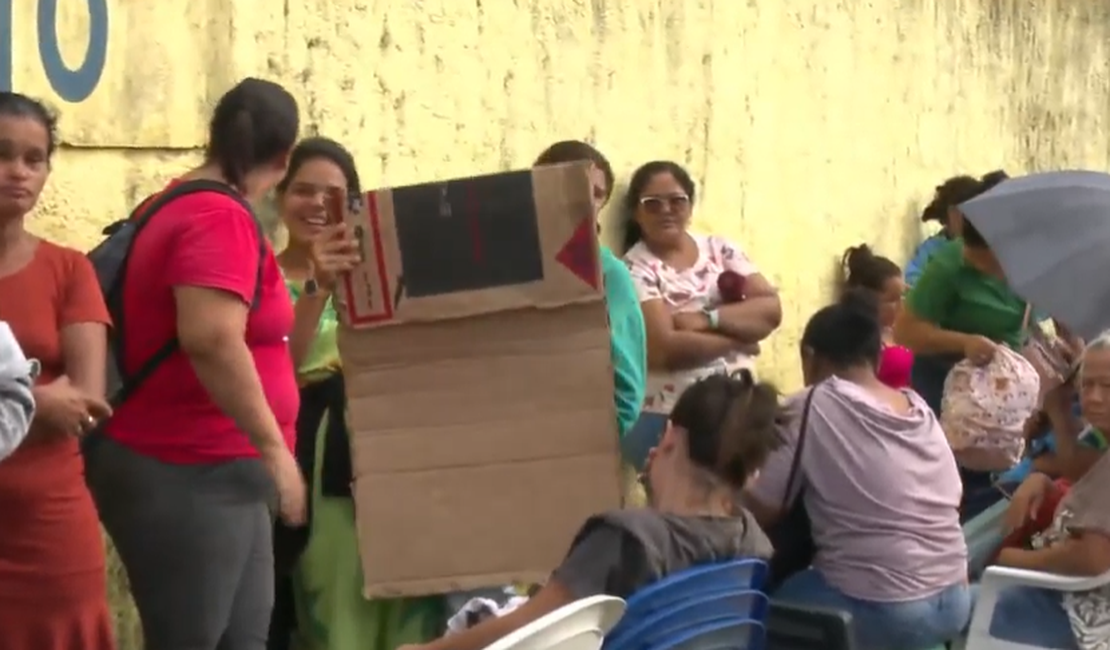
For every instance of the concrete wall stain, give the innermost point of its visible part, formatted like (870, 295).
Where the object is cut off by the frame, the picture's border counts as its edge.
(809, 126)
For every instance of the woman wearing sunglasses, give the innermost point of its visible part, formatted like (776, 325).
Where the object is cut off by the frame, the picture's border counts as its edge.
(706, 306)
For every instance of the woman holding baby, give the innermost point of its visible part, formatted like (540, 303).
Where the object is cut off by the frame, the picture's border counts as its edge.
(706, 306)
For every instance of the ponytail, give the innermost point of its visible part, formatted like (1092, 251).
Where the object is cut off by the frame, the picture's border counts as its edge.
(232, 151)
(253, 124)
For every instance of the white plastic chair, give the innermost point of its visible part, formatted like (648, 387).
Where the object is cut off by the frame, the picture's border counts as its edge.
(995, 579)
(581, 625)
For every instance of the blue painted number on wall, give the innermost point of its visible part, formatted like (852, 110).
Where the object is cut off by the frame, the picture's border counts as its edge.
(72, 84)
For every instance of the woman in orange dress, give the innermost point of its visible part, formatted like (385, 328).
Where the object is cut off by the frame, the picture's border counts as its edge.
(52, 582)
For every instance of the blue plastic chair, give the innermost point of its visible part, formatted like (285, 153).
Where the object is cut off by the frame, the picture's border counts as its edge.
(737, 634)
(713, 597)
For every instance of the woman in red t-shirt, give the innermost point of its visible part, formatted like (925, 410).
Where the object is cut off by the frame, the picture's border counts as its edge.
(52, 582)
(184, 479)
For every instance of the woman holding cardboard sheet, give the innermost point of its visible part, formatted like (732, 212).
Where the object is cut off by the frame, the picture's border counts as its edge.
(626, 321)
(319, 581)
(706, 306)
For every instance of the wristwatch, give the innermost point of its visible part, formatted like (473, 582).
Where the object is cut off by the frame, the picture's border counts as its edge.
(311, 287)
(714, 317)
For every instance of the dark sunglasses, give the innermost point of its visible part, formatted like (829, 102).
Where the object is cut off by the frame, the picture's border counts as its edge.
(656, 204)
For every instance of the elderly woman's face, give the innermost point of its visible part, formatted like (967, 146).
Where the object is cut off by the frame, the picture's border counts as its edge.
(1094, 388)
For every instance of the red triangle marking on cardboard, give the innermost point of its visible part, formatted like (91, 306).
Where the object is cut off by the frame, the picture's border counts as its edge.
(579, 254)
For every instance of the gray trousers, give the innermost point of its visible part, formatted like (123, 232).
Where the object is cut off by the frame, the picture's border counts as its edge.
(196, 543)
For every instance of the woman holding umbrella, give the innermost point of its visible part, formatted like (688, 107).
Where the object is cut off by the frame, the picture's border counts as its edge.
(961, 307)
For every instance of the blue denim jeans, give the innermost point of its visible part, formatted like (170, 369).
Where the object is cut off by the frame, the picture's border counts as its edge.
(910, 625)
(643, 435)
(1032, 616)
(980, 493)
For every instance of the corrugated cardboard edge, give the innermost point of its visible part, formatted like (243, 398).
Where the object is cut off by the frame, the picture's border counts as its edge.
(435, 585)
(576, 173)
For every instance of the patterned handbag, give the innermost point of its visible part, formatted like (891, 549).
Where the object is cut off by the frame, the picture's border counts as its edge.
(984, 410)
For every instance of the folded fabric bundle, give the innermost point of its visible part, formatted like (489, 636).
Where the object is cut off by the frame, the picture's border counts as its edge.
(477, 610)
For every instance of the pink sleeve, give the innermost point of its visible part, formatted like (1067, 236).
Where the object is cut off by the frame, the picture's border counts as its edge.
(732, 258)
(895, 366)
(644, 278)
(216, 249)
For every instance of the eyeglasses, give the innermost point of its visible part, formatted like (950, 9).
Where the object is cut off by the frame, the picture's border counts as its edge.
(657, 204)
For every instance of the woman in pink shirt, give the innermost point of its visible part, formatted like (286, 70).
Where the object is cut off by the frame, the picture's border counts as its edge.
(865, 270)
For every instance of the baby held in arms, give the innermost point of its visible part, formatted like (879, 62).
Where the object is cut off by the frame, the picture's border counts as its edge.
(720, 432)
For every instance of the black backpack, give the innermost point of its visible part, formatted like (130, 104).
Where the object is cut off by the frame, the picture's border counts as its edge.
(110, 258)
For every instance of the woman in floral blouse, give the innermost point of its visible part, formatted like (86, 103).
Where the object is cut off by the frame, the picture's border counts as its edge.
(706, 306)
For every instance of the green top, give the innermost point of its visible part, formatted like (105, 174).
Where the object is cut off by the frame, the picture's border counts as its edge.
(323, 354)
(627, 339)
(955, 296)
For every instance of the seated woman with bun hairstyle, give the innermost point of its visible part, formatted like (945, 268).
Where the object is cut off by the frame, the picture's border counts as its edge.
(881, 491)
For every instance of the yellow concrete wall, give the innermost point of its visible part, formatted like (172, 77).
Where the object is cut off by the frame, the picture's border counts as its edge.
(809, 124)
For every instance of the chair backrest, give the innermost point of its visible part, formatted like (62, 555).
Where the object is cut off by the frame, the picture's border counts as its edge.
(743, 610)
(581, 625)
(698, 581)
(722, 635)
(792, 627)
(718, 594)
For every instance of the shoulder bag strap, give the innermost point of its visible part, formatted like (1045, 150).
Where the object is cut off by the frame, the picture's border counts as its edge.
(795, 467)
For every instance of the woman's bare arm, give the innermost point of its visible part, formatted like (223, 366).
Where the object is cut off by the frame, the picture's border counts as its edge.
(1086, 554)
(672, 349)
(754, 318)
(85, 353)
(923, 337)
(1072, 458)
(551, 597)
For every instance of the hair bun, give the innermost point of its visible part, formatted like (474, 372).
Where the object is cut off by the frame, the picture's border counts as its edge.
(857, 257)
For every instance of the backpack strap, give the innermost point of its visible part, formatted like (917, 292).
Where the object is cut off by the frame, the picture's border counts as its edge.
(140, 216)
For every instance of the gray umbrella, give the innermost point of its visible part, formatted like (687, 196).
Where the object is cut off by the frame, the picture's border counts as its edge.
(1051, 233)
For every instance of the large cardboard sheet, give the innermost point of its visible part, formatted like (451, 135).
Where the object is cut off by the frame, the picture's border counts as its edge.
(476, 350)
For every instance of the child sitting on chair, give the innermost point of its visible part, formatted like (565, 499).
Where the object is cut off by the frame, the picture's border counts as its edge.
(720, 432)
